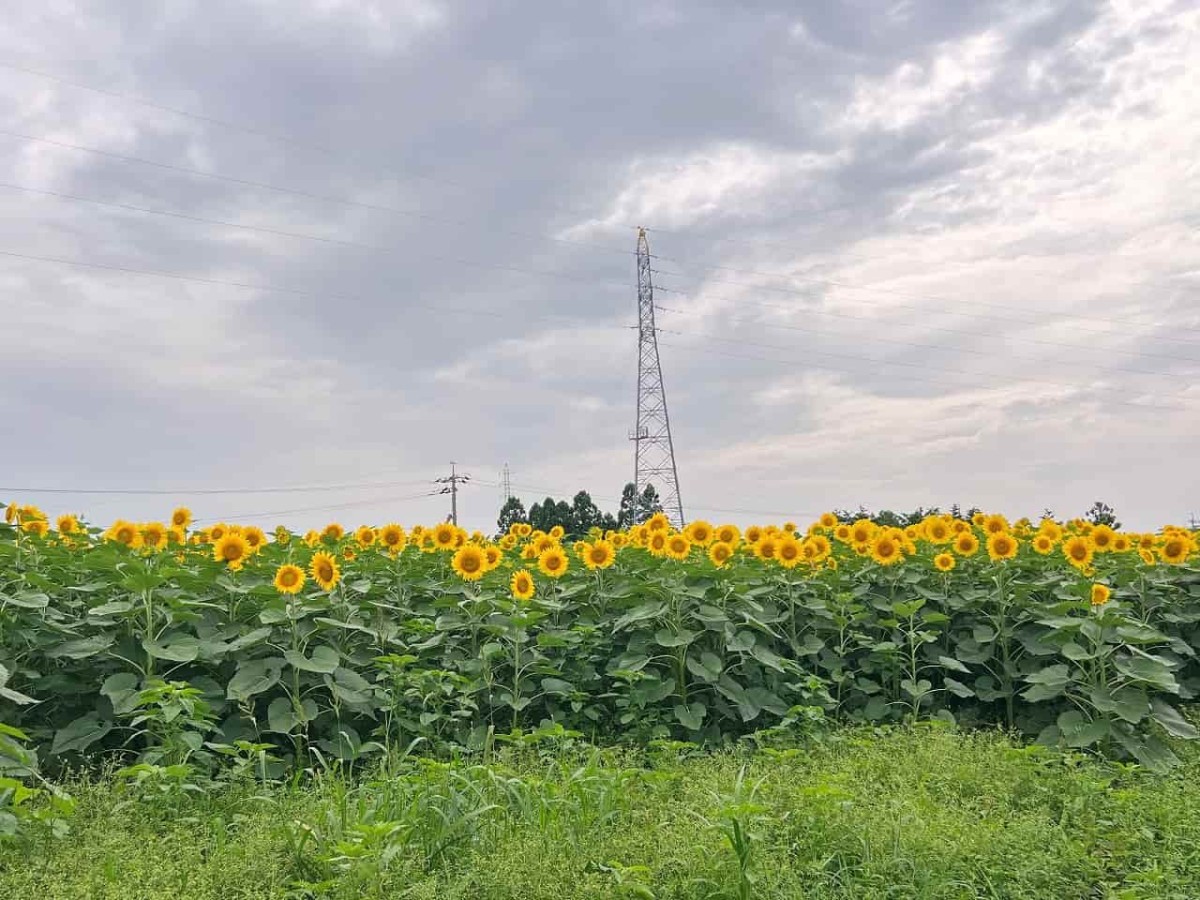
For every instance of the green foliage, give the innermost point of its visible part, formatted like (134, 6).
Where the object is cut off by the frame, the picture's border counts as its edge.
(867, 812)
(169, 659)
(512, 511)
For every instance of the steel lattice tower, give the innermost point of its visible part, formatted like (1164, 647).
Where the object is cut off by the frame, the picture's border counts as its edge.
(654, 454)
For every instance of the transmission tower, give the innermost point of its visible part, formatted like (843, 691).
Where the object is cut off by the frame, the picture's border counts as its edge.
(654, 454)
(505, 485)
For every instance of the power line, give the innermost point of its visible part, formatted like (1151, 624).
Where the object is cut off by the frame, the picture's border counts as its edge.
(905, 363)
(284, 139)
(298, 192)
(375, 248)
(1009, 318)
(335, 506)
(155, 273)
(189, 492)
(868, 337)
(794, 364)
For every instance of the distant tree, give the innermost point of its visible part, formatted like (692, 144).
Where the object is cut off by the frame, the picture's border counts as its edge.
(1102, 514)
(513, 510)
(585, 514)
(627, 515)
(648, 503)
(544, 516)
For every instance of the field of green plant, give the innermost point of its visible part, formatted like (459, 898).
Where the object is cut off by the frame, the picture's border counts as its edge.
(394, 691)
(869, 812)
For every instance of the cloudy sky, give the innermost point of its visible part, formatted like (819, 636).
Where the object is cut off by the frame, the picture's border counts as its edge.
(908, 253)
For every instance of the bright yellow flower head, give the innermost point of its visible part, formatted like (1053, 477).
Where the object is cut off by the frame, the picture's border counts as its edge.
(699, 532)
(391, 538)
(1001, 545)
(1100, 594)
(365, 536)
(1103, 538)
(887, 549)
(255, 537)
(521, 585)
(678, 546)
(469, 562)
(332, 533)
(289, 579)
(599, 555)
(944, 562)
(966, 544)
(324, 569)
(719, 553)
(181, 517)
(790, 552)
(553, 563)
(67, 524)
(1078, 551)
(828, 520)
(728, 534)
(232, 549)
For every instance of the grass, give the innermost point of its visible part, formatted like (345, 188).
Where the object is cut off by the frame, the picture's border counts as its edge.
(923, 812)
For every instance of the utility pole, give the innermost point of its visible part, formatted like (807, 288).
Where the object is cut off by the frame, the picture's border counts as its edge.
(452, 480)
(654, 453)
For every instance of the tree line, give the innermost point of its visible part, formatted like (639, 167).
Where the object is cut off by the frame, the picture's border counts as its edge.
(581, 514)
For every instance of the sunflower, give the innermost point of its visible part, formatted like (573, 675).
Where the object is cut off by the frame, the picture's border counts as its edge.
(1100, 594)
(977, 519)
(332, 533)
(283, 537)
(324, 569)
(789, 553)
(657, 522)
(995, 524)
(181, 517)
(1147, 541)
(255, 537)
(937, 530)
(468, 562)
(123, 532)
(1051, 529)
(232, 549)
(678, 546)
(727, 534)
(365, 535)
(507, 542)
(1174, 548)
(618, 540)
(348, 554)
(492, 555)
(521, 585)
(37, 527)
(522, 529)
(391, 538)
(445, 536)
(842, 533)
(1043, 543)
(176, 536)
(599, 555)
(719, 553)
(944, 562)
(1001, 545)
(886, 549)
(529, 552)
(10, 513)
(1121, 543)
(67, 524)
(289, 579)
(1147, 557)
(1103, 538)
(821, 548)
(656, 543)
(753, 534)
(311, 538)
(1078, 551)
(828, 520)
(966, 544)
(765, 547)
(862, 531)
(699, 532)
(557, 532)
(218, 531)
(958, 526)
(553, 563)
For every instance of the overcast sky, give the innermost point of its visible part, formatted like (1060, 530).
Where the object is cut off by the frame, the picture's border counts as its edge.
(909, 253)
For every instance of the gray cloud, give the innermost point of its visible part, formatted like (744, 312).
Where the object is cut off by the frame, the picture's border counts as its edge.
(981, 218)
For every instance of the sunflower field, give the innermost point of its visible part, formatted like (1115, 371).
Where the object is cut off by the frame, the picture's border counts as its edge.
(161, 645)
